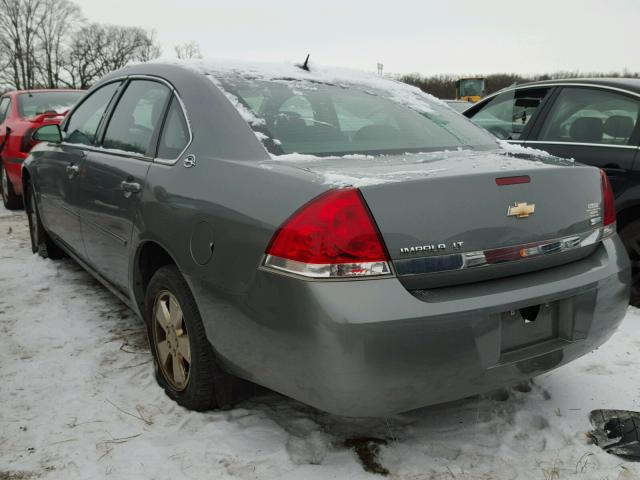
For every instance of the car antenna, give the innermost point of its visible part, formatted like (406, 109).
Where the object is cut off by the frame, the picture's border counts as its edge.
(305, 65)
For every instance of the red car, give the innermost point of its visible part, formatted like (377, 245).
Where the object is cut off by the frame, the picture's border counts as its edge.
(21, 112)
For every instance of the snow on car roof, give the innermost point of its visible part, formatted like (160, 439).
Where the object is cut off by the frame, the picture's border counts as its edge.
(398, 91)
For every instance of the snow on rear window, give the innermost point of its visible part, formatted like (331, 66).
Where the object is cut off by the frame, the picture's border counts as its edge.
(331, 111)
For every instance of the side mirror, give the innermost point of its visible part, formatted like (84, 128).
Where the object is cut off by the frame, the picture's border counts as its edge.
(48, 133)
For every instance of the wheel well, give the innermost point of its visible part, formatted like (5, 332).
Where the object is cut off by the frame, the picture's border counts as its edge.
(25, 179)
(151, 257)
(25, 188)
(628, 215)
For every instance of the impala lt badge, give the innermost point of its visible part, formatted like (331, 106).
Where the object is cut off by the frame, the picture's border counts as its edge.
(431, 248)
(521, 209)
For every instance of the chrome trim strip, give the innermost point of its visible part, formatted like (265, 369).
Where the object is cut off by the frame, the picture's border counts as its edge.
(107, 151)
(497, 256)
(100, 229)
(591, 85)
(537, 142)
(558, 84)
(328, 271)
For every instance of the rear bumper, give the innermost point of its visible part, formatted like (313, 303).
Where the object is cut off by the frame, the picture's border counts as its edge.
(371, 348)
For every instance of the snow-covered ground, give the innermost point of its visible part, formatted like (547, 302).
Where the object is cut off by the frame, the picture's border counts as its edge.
(78, 400)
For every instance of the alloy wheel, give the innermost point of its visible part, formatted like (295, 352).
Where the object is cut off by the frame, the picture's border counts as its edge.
(171, 340)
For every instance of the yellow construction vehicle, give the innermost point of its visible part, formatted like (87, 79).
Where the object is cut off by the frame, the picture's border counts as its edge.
(471, 89)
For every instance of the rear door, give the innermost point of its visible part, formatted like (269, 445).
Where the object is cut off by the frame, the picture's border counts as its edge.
(60, 168)
(115, 173)
(509, 115)
(594, 126)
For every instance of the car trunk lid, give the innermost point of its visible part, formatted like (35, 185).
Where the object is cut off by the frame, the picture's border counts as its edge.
(441, 215)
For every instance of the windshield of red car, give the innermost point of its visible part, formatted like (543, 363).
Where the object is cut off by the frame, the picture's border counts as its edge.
(31, 104)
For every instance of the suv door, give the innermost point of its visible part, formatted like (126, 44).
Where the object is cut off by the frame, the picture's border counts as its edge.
(592, 125)
(60, 167)
(509, 115)
(114, 176)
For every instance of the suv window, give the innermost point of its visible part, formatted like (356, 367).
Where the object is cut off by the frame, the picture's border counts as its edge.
(136, 117)
(506, 115)
(586, 115)
(175, 133)
(83, 124)
(4, 108)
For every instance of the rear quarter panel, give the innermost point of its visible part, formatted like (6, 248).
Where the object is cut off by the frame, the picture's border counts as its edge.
(228, 192)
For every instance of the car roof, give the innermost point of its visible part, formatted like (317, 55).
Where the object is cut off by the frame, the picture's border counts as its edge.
(630, 84)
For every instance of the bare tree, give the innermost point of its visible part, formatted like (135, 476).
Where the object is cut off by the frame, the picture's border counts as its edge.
(151, 49)
(188, 50)
(98, 49)
(60, 20)
(20, 20)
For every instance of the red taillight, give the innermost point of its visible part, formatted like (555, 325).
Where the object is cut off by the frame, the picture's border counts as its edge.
(608, 200)
(333, 235)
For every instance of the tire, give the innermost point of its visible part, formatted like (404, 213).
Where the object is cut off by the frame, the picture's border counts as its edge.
(10, 199)
(41, 241)
(199, 384)
(630, 236)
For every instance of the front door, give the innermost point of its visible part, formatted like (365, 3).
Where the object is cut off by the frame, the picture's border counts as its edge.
(593, 126)
(60, 169)
(114, 177)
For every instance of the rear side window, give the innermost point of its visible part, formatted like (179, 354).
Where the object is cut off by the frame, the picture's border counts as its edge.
(4, 108)
(506, 115)
(83, 124)
(175, 133)
(584, 115)
(35, 103)
(136, 117)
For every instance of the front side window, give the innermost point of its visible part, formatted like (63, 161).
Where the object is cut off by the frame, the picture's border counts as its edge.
(82, 127)
(136, 116)
(586, 115)
(35, 103)
(4, 108)
(175, 133)
(310, 117)
(506, 115)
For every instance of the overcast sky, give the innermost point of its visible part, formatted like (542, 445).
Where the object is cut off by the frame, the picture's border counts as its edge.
(425, 36)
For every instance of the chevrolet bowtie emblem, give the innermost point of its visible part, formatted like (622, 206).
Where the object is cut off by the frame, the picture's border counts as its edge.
(521, 210)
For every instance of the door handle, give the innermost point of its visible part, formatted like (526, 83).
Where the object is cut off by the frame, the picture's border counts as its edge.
(130, 187)
(72, 170)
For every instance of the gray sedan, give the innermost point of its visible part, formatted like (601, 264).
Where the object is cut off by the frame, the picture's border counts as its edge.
(340, 238)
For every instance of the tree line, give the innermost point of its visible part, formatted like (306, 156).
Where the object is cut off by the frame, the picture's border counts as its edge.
(50, 44)
(444, 86)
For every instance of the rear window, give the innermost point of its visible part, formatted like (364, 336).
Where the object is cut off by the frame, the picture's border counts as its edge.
(31, 104)
(301, 116)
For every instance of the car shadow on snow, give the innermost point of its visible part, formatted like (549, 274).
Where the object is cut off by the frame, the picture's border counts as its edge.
(382, 444)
